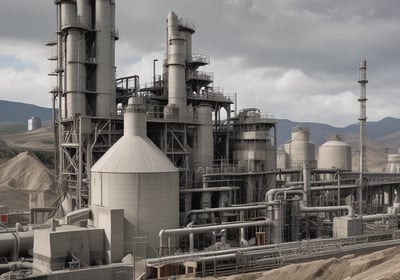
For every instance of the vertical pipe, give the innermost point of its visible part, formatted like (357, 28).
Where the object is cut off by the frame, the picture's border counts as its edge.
(306, 182)
(338, 188)
(363, 118)
(191, 242)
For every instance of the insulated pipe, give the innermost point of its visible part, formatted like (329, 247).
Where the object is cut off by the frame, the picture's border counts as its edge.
(349, 209)
(377, 217)
(9, 245)
(14, 266)
(184, 231)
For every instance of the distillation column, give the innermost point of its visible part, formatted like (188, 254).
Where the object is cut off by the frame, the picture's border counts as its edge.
(176, 67)
(74, 101)
(105, 50)
(204, 147)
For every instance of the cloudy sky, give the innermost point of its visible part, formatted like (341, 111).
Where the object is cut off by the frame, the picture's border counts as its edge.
(295, 59)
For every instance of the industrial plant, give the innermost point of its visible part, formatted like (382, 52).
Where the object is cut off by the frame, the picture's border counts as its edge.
(169, 178)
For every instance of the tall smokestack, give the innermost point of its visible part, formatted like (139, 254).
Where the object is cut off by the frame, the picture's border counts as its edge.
(363, 118)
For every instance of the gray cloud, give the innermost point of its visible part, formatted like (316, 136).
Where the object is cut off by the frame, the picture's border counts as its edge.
(276, 54)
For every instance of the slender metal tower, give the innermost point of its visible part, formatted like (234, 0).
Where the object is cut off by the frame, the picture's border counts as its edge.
(363, 118)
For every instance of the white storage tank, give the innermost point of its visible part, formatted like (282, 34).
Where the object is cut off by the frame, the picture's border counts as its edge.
(136, 176)
(282, 159)
(34, 123)
(393, 165)
(335, 154)
(299, 148)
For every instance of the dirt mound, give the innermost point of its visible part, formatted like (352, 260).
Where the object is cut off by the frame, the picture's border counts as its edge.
(39, 140)
(381, 265)
(25, 182)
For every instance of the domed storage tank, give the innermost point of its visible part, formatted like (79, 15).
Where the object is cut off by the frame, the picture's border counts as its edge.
(335, 154)
(136, 176)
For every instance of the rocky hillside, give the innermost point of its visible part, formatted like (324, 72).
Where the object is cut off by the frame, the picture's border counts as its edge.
(16, 112)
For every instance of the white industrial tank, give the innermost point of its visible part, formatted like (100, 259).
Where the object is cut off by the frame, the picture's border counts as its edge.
(204, 147)
(34, 123)
(136, 176)
(393, 165)
(282, 159)
(299, 148)
(335, 154)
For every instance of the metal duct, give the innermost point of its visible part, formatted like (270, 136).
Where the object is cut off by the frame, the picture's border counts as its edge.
(10, 241)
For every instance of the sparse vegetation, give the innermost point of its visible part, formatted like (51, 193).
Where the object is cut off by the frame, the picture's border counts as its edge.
(6, 129)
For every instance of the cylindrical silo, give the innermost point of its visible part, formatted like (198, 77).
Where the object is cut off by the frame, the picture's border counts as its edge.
(393, 165)
(270, 156)
(299, 149)
(105, 72)
(335, 153)
(204, 146)
(84, 13)
(282, 159)
(136, 176)
(75, 73)
(34, 123)
(176, 65)
(68, 14)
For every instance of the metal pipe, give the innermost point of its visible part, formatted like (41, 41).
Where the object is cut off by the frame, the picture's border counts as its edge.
(349, 209)
(232, 208)
(13, 266)
(269, 196)
(154, 72)
(306, 179)
(212, 189)
(377, 217)
(300, 192)
(190, 230)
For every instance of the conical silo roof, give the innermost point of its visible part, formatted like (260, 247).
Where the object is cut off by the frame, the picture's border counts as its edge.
(133, 154)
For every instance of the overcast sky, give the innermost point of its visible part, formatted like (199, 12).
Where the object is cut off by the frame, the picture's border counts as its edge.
(295, 59)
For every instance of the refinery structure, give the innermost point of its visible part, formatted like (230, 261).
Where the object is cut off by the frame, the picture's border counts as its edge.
(167, 177)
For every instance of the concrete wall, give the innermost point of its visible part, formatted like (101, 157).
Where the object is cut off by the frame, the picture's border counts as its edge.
(52, 249)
